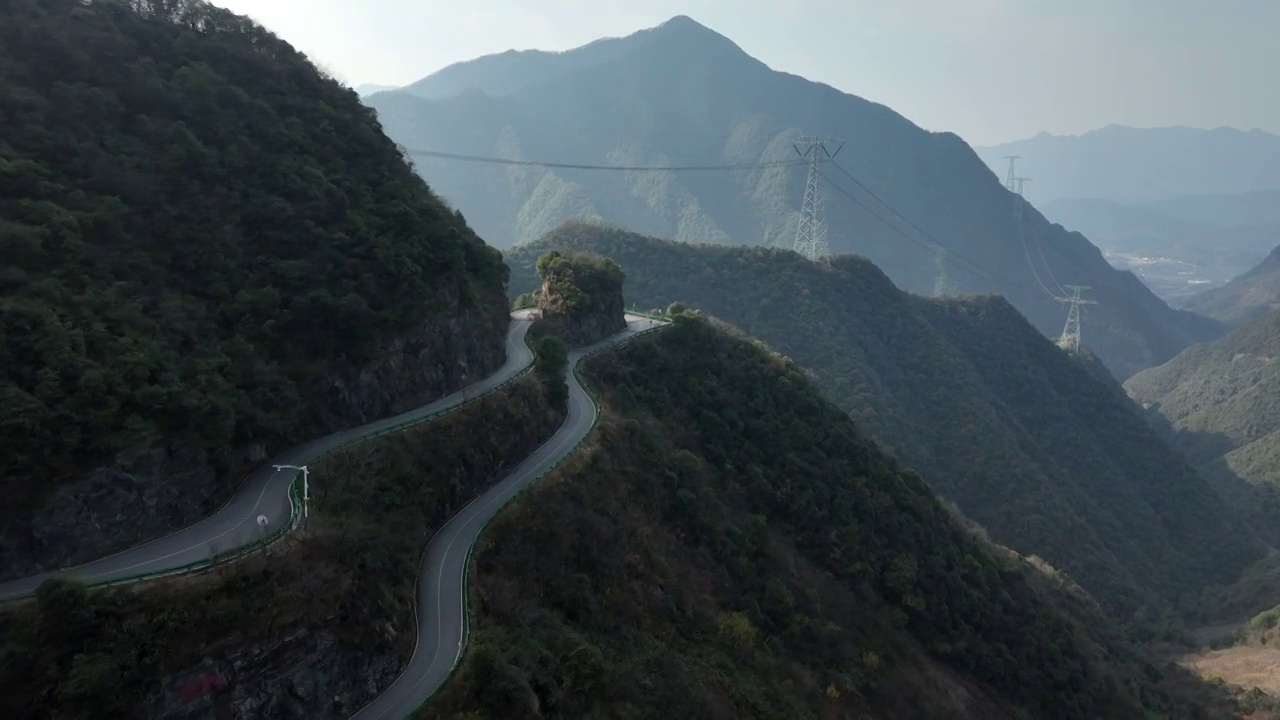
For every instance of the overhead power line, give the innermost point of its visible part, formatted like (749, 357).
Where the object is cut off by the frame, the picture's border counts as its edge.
(616, 168)
(1070, 338)
(931, 244)
(1035, 240)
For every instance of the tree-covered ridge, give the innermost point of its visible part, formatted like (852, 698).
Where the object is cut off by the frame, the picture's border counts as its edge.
(729, 545)
(197, 230)
(1247, 296)
(1040, 448)
(1220, 403)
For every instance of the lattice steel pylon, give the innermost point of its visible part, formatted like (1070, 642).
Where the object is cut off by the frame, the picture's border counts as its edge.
(1010, 180)
(1071, 332)
(811, 231)
(1017, 203)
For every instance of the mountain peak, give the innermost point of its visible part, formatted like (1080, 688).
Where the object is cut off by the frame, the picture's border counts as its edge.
(687, 32)
(683, 23)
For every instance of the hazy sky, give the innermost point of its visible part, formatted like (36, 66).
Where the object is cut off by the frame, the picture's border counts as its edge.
(990, 70)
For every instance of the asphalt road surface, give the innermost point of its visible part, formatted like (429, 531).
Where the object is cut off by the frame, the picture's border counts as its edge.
(441, 611)
(264, 493)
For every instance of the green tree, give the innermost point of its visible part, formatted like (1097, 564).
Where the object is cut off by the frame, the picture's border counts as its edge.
(551, 361)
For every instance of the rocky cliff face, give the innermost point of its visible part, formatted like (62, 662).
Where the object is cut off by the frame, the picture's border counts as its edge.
(154, 490)
(581, 297)
(303, 674)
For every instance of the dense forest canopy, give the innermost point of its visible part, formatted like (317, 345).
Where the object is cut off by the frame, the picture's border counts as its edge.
(1220, 404)
(730, 545)
(193, 221)
(1041, 448)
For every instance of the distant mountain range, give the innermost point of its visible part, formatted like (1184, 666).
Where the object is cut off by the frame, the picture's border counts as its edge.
(681, 94)
(369, 89)
(1180, 246)
(1252, 294)
(1141, 165)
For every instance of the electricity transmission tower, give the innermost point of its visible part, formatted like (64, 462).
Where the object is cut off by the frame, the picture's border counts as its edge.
(1011, 180)
(1071, 333)
(1017, 203)
(811, 232)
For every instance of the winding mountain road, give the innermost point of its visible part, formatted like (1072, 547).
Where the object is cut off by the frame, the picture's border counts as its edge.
(441, 611)
(441, 592)
(266, 492)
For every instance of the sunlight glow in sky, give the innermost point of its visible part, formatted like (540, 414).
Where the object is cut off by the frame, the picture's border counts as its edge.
(989, 70)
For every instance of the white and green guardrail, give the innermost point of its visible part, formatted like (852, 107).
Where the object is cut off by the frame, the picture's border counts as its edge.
(295, 504)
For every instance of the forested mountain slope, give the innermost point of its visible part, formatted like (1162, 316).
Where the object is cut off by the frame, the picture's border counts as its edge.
(1046, 453)
(1248, 296)
(208, 250)
(1220, 403)
(680, 94)
(728, 545)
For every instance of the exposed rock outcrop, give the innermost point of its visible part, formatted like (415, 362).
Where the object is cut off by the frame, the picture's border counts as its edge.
(304, 674)
(581, 296)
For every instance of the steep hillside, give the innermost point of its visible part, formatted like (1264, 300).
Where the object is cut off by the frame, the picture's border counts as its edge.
(682, 95)
(1251, 295)
(1220, 403)
(1128, 164)
(730, 546)
(1051, 458)
(1176, 257)
(313, 629)
(209, 251)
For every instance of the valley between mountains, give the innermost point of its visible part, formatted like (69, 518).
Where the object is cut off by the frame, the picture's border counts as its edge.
(583, 435)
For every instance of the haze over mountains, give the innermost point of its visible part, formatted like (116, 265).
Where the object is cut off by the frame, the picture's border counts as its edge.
(1186, 209)
(1251, 295)
(370, 89)
(1180, 246)
(680, 94)
(1142, 165)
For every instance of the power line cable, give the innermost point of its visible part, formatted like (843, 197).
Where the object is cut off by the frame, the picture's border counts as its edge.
(935, 241)
(580, 166)
(1019, 217)
(939, 250)
(1040, 243)
(933, 246)
(1030, 263)
(890, 208)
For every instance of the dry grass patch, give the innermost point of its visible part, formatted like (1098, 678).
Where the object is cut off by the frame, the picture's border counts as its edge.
(1245, 667)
